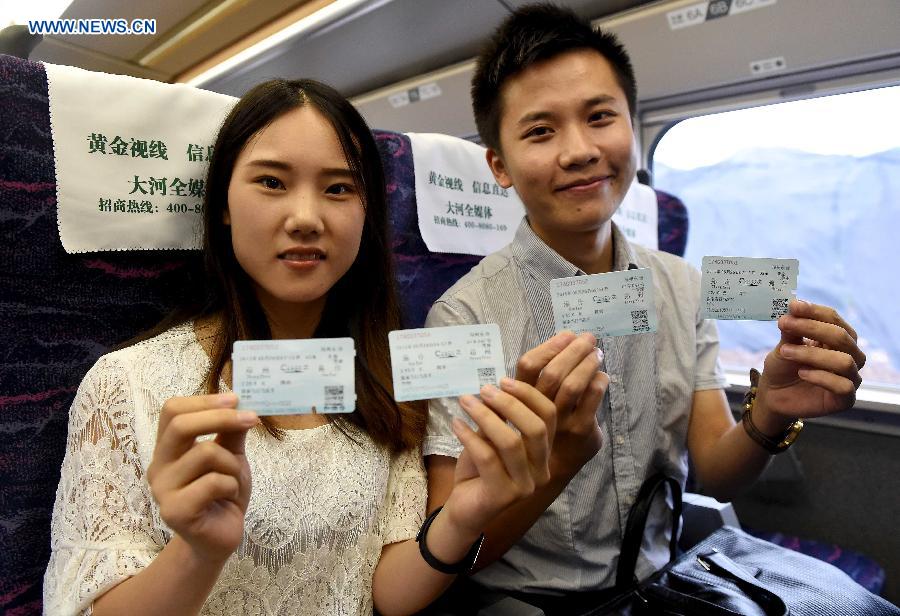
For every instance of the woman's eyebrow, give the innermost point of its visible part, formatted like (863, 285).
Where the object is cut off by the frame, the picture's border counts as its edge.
(276, 164)
(338, 171)
(285, 166)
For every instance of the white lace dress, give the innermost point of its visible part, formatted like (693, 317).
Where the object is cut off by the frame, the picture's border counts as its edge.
(320, 511)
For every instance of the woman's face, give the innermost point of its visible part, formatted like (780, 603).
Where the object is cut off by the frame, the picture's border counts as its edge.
(295, 212)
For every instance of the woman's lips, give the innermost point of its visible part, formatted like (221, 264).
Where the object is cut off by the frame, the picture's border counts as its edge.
(301, 260)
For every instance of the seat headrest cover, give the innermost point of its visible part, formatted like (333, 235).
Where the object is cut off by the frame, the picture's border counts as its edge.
(461, 208)
(638, 216)
(131, 157)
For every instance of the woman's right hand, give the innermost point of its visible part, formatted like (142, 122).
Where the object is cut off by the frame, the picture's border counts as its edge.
(203, 487)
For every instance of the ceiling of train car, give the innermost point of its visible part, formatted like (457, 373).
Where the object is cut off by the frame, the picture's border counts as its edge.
(378, 43)
(188, 32)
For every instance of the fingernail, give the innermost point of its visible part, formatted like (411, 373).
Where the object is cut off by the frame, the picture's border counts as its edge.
(507, 383)
(466, 401)
(788, 350)
(248, 417)
(600, 356)
(227, 399)
(489, 391)
(456, 425)
(562, 339)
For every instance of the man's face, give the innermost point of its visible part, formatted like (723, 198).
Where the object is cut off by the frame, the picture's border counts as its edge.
(567, 143)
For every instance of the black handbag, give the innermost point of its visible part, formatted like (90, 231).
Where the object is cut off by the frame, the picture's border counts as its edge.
(730, 573)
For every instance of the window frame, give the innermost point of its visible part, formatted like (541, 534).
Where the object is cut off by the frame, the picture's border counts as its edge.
(877, 408)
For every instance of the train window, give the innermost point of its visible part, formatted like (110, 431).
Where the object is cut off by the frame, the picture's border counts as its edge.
(816, 179)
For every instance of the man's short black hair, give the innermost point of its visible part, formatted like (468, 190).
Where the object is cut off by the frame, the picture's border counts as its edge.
(534, 33)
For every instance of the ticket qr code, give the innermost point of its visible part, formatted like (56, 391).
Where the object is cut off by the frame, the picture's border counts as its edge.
(640, 321)
(487, 376)
(334, 397)
(779, 307)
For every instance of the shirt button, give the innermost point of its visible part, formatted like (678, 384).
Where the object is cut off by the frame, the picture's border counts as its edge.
(620, 440)
(628, 500)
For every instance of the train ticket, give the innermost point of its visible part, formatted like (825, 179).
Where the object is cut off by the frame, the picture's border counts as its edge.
(745, 288)
(437, 362)
(284, 377)
(612, 304)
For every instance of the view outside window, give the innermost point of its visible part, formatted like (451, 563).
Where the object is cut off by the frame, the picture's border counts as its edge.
(816, 180)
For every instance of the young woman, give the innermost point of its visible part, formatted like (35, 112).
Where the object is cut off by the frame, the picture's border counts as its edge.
(155, 512)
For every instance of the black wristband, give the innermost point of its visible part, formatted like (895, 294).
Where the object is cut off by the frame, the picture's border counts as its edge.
(462, 566)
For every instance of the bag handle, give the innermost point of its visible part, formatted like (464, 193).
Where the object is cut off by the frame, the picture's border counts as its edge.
(716, 562)
(657, 596)
(637, 521)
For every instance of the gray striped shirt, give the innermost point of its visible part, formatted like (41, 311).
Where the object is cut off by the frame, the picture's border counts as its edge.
(644, 415)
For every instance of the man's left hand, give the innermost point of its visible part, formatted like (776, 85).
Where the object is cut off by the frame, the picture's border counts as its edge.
(814, 369)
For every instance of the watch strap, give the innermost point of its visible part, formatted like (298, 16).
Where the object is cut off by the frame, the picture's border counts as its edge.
(773, 445)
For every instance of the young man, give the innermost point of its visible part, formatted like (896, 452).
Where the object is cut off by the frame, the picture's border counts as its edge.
(554, 102)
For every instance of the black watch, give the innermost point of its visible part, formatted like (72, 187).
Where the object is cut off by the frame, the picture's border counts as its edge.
(462, 566)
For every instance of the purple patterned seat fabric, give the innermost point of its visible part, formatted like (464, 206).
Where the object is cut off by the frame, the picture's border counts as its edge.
(864, 571)
(673, 223)
(422, 276)
(60, 313)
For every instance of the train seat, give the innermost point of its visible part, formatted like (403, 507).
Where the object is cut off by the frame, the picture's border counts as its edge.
(62, 312)
(423, 275)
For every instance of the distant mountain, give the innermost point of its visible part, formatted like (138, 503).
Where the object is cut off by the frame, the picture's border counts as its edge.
(839, 215)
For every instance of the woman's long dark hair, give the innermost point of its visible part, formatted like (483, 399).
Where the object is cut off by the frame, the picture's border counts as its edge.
(362, 304)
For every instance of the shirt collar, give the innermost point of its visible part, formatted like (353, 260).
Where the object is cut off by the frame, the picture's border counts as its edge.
(544, 264)
(624, 256)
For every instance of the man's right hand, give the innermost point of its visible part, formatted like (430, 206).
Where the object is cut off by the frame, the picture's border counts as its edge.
(566, 369)
(564, 372)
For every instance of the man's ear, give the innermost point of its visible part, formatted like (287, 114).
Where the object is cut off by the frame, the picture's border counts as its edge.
(498, 168)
